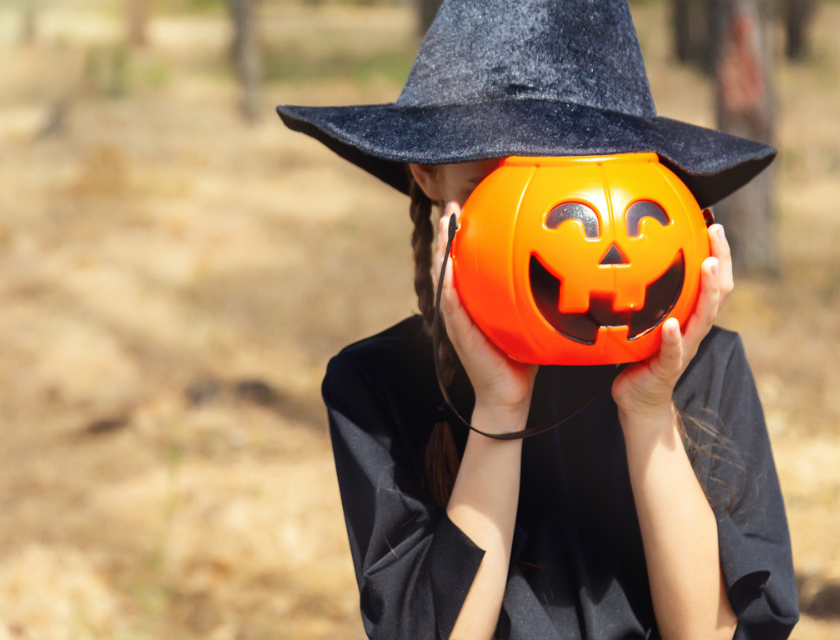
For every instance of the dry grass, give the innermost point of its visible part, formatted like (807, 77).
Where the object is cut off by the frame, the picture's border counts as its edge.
(173, 283)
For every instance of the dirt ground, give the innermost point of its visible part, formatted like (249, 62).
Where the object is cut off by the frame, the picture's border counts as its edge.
(174, 281)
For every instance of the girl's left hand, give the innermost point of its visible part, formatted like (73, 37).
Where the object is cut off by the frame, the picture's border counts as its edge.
(646, 389)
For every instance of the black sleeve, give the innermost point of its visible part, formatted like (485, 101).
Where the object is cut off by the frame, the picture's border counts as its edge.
(744, 491)
(414, 567)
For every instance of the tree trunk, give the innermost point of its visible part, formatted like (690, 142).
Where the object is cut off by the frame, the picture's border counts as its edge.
(137, 16)
(799, 16)
(716, 16)
(745, 108)
(695, 32)
(426, 12)
(691, 33)
(246, 55)
(29, 25)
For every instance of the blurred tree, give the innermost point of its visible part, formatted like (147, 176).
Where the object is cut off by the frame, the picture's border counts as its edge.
(426, 12)
(745, 108)
(691, 30)
(695, 30)
(29, 27)
(799, 16)
(137, 17)
(697, 25)
(246, 55)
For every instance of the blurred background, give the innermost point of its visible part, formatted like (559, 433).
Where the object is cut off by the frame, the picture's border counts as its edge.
(176, 268)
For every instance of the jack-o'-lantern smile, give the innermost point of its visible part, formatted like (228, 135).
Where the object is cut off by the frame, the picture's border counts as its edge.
(660, 297)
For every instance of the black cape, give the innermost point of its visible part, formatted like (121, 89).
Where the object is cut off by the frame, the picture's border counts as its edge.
(577, 567)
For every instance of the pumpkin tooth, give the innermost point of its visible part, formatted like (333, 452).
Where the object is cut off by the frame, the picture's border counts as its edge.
(574, 297)
(546, 291)
(629, 297)
(602, 311)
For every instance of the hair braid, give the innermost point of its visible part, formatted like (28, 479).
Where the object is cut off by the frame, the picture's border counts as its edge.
(421, 242)
(441, 460)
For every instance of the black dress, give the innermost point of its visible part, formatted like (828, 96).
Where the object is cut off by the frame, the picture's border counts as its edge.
(577, 567)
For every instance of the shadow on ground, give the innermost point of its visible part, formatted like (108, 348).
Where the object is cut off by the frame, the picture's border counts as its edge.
(818, 598)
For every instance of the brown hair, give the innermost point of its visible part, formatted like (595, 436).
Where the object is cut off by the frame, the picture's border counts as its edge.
(715, 447)
(442, 460)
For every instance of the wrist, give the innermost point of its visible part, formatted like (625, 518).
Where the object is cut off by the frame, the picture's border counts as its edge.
(649, 424)
(499, 418)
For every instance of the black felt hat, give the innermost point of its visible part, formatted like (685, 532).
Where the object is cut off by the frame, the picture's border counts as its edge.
(495, 78)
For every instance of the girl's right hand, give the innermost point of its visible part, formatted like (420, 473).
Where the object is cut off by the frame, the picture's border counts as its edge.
(500, 383)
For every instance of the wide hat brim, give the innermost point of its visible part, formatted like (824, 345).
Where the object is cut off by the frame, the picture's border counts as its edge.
(381, 139)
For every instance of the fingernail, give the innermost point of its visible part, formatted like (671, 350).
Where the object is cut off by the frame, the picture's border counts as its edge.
(720, 233)
(715, 268)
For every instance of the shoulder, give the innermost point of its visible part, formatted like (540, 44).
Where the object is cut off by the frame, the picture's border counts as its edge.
(709, 376)
(385, 361)
(380, 395)
(718, 348)
(718, 391)
(392, 341)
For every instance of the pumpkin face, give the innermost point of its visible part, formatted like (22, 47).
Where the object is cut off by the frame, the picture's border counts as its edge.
(579, 260)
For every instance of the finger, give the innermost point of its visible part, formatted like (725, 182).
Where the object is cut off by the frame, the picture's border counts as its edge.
(440, 243)
(462, 331)
(437, 256)
(668, 364)
(450, 301)
(451, 208)
(721, 251)
(707, 305)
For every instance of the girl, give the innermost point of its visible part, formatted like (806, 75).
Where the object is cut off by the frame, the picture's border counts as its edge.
(655, 511)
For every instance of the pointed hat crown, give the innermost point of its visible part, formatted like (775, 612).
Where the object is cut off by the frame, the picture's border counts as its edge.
(562, 51)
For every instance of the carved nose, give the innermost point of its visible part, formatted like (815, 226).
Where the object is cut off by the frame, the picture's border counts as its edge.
(613, 256)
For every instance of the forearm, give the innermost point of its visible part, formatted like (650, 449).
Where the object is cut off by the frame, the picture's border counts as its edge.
(483, 505)
(679, 532)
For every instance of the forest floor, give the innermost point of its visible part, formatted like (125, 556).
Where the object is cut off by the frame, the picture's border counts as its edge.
(173, 282)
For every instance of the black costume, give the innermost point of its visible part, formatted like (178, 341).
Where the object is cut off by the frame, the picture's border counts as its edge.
(577, 566)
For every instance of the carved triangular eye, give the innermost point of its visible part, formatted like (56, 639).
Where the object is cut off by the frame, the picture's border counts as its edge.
(575, 211)
(644, 209)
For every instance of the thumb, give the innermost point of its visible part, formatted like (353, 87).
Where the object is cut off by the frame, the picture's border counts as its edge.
(668, 364)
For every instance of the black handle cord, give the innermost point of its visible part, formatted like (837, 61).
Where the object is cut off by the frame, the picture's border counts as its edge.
(556, 421)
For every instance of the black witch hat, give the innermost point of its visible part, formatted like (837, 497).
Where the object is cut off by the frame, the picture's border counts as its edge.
(495, 78)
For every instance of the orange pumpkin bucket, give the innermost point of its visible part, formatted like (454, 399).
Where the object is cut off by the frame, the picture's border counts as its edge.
(579, 260)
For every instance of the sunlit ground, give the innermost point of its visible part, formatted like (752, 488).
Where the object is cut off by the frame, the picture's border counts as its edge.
(173, 282)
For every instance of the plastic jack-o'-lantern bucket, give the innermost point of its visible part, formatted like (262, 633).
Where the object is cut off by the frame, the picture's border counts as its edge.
(579, 260)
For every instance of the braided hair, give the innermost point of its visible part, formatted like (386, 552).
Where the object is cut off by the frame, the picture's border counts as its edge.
(441, 460)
